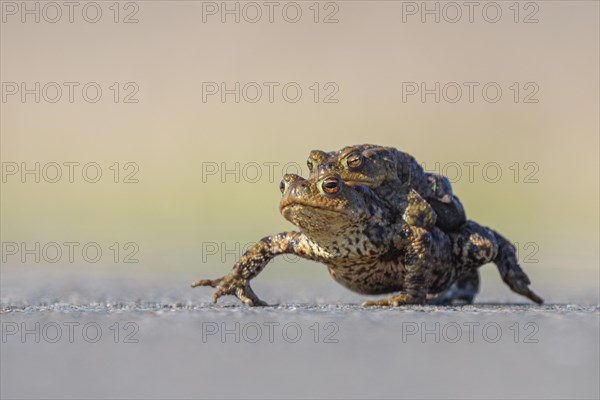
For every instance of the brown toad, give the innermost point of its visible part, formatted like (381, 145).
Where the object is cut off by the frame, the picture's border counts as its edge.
(399, 180)
(392, 174)
(352, 231)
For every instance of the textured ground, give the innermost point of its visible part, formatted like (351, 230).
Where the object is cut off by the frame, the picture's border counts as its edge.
(105, 338)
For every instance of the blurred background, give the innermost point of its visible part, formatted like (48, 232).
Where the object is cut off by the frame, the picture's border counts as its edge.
(192, 118)
(524, 161)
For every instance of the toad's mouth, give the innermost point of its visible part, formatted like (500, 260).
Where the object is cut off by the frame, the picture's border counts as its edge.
(288, 204)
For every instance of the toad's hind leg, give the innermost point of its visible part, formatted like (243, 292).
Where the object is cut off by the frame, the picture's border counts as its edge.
(463, 290)
(510, 271)
(473, 246)
(450, 212)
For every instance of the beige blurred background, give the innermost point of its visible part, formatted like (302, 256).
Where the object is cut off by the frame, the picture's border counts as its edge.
(173, 135)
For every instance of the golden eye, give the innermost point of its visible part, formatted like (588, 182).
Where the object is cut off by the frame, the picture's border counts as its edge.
(309, 164)
(331, 185)
(354, 160)
(282, 186)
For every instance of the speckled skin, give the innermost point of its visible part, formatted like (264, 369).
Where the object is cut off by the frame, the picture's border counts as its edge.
(397, 178)
(366, 250)
(392, 174)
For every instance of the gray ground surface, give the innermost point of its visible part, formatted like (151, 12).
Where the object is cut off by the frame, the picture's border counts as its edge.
(317, 342)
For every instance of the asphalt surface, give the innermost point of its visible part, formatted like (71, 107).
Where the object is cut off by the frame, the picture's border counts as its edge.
(101, 337)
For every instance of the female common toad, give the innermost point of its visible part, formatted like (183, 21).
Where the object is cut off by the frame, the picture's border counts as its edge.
(353, 232)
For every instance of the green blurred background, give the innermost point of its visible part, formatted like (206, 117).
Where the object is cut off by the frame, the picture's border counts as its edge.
(171, 134)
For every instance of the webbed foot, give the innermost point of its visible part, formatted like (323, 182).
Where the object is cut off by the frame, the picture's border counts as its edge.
(511, 272)
(394, 301)
(232, 284)
(462, 292)
(519, 282)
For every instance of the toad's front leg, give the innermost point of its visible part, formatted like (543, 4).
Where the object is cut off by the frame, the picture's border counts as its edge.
(233, 284)
(417, 262)
(418, 212)
(237, 281)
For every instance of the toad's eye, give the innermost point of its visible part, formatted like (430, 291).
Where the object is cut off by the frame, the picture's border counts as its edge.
(309, 164)
(282, 186)
(331, 185)
(354, 160)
